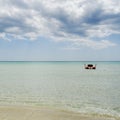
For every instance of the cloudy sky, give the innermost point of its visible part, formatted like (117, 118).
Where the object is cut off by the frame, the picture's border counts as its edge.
(59, 30)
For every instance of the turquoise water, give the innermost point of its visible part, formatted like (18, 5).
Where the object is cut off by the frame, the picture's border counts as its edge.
(62, 84)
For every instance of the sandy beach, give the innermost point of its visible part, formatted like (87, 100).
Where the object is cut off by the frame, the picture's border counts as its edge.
(44, 113)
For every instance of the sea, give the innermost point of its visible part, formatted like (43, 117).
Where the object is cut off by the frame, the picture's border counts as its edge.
(62, 84)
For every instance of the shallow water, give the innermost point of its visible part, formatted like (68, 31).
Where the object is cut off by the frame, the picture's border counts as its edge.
(62, 84)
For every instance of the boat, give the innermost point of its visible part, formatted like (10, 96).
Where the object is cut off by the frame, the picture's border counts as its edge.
(89, 66)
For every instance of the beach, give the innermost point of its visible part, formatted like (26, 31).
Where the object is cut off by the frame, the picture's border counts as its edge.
(59, 60)
(59, 91)
(44, 113)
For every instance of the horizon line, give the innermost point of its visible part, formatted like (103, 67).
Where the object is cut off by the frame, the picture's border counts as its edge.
(60, 61)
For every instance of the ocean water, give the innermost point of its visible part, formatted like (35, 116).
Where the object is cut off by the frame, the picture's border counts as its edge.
(62, 84)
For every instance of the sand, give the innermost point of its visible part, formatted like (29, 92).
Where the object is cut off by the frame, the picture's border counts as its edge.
(44, 113)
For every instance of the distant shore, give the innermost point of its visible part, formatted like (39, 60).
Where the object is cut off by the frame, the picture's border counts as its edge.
(44, 113)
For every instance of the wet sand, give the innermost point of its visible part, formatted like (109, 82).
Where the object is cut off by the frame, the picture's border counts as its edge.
(44, 113)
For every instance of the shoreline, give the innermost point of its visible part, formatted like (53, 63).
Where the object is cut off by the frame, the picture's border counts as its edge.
(46, 113)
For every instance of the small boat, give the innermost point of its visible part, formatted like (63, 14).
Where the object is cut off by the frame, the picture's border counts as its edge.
(90, 66)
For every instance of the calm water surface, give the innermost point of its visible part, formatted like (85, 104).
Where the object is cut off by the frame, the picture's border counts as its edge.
(62, 84)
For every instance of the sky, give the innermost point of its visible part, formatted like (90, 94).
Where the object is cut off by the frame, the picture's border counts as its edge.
(59, 30)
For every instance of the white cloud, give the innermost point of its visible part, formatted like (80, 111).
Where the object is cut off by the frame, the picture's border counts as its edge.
(98, 45)
(78, 43)
(61, 20)
(13, 30)
(4, 37)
